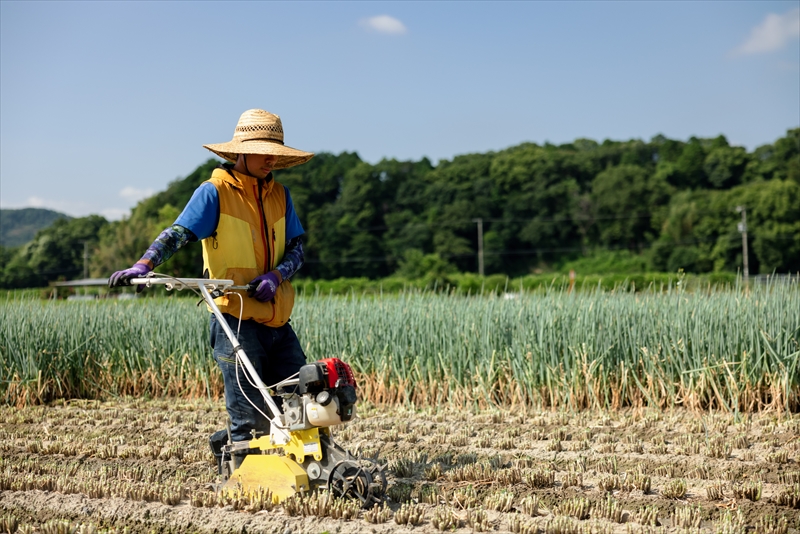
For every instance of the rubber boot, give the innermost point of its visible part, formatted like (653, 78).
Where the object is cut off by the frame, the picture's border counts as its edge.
(238, 458)
(231, 463)
(216, 441)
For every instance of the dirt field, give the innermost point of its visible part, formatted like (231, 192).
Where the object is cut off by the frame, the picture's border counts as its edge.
(144, 466)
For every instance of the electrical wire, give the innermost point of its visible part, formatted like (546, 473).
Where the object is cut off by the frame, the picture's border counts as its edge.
(238, 331)
(279, 384)
(238, 383)
(153, 274)
(239, 359)
(241, 311)
(522, 252)
(247, 375)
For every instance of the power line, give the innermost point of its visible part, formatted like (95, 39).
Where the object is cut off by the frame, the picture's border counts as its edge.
(470, 222)
(510, 252)
(534, 251)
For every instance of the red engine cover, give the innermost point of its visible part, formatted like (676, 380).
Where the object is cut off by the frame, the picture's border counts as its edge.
(338, 370)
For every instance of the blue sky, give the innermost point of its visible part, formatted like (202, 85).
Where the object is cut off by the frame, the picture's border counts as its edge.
(103, 103)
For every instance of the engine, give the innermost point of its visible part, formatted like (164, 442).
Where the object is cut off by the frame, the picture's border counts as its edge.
(325, 396)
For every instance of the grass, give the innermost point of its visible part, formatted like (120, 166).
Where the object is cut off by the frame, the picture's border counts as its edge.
(471, 283)
(735, 349)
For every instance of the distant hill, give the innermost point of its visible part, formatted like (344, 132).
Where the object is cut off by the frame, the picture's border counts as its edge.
(17, 227)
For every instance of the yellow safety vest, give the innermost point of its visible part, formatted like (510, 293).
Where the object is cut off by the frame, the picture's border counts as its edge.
(250, 240)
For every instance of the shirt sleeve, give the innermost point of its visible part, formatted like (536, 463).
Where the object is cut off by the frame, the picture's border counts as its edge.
(201, 214)
(166, 244)
(293, 226)
(293, 258)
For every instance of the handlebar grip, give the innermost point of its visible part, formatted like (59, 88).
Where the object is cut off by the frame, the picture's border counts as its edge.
(251, 289)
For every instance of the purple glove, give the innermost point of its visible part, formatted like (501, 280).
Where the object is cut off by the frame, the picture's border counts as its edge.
(265, 286)
(120, 278)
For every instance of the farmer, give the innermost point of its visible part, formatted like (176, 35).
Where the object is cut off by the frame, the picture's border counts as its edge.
(250, 233)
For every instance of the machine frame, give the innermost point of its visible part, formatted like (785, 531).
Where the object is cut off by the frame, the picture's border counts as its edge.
(310, 458)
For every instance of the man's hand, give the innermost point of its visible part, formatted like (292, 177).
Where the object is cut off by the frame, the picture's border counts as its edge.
(266, 285)
(121, 278)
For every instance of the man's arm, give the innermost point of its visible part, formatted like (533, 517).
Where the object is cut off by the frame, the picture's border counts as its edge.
(197, 221)
(166, 244)
(293, 254)
(267, 284)
(293, 257)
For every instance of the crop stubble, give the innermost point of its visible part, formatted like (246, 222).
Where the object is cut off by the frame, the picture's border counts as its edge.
(145, 465)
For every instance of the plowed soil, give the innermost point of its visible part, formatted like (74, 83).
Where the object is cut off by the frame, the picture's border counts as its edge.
(145, 466)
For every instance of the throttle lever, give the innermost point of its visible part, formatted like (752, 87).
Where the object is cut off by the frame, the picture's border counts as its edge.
(251, 289)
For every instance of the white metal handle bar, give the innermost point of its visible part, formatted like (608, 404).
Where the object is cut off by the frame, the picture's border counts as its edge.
(178, 284)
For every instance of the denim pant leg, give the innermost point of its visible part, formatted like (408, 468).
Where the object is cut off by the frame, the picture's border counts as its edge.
(244, 417)
(285, 356)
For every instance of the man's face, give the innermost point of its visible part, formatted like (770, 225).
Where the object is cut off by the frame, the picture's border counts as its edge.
(257, 165)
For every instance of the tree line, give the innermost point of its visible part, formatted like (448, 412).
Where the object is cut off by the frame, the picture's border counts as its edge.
(666, 203)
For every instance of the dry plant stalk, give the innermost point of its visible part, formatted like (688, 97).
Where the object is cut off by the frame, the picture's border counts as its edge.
(647, 515)
(715, 492)
(8, 524)
(518, 526)
(687, 517)
(530, 505)
(577, 507)
(478, 520)
(445, 519)
(749, 490)
(409, 514)
(540, 478)
(501, 501)
(608, 509)
(772, 525)
(790, 496)
(566, 525)
(674, 489)
(464, 498)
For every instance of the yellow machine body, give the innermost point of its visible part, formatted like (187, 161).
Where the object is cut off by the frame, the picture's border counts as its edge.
(303, 443)
(280, 474)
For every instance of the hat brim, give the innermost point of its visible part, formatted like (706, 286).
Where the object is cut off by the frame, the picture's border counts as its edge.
(287, 156)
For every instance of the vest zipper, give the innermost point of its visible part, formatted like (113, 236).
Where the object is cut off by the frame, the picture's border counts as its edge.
(273, 244)
(264, 230)
(274, 308)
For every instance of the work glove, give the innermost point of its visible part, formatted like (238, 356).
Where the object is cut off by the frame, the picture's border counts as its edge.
(121, 278)
(265, 286)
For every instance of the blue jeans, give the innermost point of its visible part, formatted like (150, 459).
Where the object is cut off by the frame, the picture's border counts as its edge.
(275, 354)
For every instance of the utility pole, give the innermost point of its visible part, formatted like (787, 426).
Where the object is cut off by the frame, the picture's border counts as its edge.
(743, 230)
(480, 244)
(85, 260)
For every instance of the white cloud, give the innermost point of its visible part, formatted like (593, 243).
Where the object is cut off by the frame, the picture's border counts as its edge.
(114, 214)
(71, 208)
(38, 202)
(134, 195)
(772, 34)
(384, 24)
(82, 209)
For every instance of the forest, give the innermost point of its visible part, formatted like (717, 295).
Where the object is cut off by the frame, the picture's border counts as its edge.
(615, 206)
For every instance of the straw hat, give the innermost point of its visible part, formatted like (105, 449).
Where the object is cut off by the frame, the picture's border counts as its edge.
(260, 132)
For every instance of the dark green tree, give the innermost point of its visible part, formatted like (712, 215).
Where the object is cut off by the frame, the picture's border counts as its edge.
(57, 252)
(624, 199)
(725, 166)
